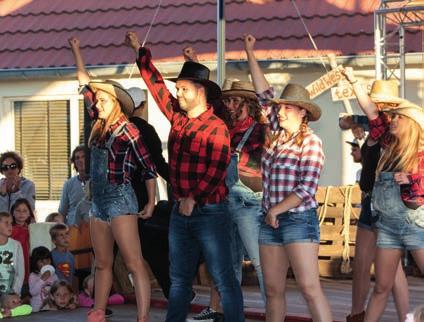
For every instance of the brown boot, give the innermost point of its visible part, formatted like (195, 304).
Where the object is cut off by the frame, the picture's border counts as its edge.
(356, 318)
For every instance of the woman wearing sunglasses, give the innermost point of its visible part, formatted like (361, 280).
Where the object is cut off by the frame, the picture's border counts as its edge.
(13, 186)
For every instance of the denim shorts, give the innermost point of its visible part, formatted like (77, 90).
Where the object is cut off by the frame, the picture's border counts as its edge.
(116, 200)
(294, 227)
(409, 237)
(367, 219)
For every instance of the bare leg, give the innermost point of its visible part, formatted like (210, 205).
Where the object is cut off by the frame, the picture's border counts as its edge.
(386, 265)
(275, 264)
(400, 293)
(215, 300)
(364, 256)
(102, 241)
(304, 261)
(125, 231)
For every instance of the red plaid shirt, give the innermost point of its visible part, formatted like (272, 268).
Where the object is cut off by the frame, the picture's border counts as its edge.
(379, 131)
(198, 148)
(251, 153)
(128, 150)
(289, 168)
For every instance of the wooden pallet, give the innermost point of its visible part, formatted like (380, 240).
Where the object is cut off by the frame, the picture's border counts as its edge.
(332, 242)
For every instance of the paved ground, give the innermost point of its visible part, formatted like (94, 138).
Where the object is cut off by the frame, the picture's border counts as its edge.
(122, 313)
(337, 291)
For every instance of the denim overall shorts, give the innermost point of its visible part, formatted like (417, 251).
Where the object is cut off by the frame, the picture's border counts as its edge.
(109, 200)
(398, 226)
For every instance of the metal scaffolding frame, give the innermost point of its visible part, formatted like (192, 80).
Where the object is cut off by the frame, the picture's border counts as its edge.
(391, 43)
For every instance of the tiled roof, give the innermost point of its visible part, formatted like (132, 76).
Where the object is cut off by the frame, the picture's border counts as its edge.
(34, 35)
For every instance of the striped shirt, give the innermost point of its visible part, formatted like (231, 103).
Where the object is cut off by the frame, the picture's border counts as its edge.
(198, 148)
(128, 150)
(288, 168)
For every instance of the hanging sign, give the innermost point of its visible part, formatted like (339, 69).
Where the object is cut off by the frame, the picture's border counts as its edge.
(325, 82)
(345, 91)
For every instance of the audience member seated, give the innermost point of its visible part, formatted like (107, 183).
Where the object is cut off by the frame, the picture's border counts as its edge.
(56, 217)
(11, 306)
(73, 189)
(12, 269)
(23, 216)
(13, 186)
(42, 276)
(86, 296)
(61, 297)
(63, 260)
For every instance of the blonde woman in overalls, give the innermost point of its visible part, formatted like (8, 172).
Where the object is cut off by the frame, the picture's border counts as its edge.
(398, 194)
(117, 149)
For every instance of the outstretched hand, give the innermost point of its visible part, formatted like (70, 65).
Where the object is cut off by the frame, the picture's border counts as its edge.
(249, 42)
(348, 73)
(189, 54)
(74, 42)
(131, 40)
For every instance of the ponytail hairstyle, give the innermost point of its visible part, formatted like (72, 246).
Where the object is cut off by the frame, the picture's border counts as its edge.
(101, 127)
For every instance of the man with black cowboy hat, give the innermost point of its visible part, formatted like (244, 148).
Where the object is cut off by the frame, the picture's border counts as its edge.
(199, 154)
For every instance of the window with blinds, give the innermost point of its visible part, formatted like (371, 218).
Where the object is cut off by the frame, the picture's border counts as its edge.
(42, 137)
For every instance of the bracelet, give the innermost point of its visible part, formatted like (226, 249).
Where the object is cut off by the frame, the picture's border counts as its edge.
(354, 82)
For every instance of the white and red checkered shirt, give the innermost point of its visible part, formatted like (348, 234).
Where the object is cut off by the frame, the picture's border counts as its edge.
(287, 167)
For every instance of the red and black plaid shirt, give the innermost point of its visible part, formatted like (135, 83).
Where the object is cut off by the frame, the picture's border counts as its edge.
(379, 131)
(198, 148)
(251, 153)
(128, 150)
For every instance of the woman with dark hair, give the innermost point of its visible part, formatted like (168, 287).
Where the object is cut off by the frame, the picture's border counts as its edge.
(291, 165)
(13, 186)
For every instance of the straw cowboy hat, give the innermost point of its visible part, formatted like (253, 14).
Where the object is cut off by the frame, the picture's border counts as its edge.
(298, 95)
(385, 91)
(227, 83)
(116, 90)
(199, 73)
(409, 109)
(241, 89)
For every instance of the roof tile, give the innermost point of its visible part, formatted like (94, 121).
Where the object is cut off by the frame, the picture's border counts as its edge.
(35, 35)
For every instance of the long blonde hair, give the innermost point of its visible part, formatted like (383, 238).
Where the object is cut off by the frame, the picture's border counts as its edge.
(401, 154)
(101, 127)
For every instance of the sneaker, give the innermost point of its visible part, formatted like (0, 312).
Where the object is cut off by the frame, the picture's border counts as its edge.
(108, 313)
(208, 315)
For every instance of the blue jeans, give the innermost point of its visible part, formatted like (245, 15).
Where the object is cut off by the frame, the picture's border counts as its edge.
(245, 211)
(205, 231)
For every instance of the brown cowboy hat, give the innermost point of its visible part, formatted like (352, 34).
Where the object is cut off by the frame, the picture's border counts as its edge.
(116, 90)
(385, 91)
(298, 95)
(199, 73)
(409, 109)
(241, 89)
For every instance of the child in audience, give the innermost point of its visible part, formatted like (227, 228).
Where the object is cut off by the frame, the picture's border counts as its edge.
(56, 217)
(22, 216)
(42, 276)
(12, 268)
(86, 297)
(11, 306)
(61, 297)
(63, 260)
